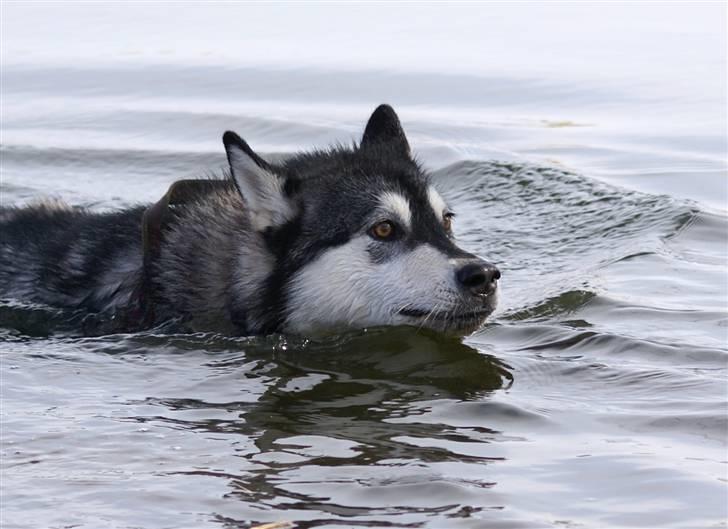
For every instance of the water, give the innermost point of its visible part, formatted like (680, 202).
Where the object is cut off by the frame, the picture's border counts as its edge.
(584, 149)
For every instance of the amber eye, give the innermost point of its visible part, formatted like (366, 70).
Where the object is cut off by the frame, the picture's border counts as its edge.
(383, 230)
(447, 221)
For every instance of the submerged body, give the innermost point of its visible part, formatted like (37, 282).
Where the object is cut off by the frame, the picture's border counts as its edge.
(347, 237)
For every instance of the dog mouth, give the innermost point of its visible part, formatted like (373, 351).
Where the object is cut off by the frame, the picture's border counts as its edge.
(447, 316)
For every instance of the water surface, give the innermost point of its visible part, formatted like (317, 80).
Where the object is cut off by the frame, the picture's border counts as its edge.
(584, 151)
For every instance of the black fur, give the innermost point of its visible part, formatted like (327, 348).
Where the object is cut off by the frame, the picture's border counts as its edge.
(64, 250)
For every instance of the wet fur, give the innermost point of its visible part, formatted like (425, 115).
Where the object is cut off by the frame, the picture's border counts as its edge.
(254, 255)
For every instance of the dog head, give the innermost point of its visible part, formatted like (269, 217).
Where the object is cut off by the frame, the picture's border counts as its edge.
(360, 237)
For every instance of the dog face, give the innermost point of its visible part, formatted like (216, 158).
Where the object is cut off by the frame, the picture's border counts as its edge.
(360, 238)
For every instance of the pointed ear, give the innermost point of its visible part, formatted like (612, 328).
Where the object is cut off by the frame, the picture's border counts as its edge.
(260, 187)
(384, 128)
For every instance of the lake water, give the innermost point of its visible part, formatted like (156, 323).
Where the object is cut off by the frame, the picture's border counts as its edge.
(583, 147)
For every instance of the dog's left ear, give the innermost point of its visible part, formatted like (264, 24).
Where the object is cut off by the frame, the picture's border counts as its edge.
(260, 187)
(384, 128)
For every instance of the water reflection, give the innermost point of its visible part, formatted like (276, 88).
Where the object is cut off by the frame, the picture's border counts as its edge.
(342, 411)
(367, 375)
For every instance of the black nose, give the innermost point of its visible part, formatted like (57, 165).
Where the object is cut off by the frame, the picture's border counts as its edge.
(478, 278)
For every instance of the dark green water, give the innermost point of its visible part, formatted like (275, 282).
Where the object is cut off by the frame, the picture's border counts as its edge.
(595, 397)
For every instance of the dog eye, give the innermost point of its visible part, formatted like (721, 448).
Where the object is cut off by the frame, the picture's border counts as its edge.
(383, 230)
(447, 221)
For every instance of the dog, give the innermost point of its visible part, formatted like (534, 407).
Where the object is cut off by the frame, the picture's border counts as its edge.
(341, 238)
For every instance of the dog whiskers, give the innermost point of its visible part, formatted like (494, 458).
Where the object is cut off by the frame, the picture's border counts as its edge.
(434, 311)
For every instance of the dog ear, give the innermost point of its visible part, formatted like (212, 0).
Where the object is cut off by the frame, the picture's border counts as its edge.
(260, 187)
(384, 128)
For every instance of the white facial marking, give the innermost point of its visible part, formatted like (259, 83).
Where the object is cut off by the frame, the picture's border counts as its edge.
(436, 201)
(343, 288)
(397, 204)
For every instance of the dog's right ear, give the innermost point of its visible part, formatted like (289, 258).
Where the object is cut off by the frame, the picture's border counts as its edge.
(260, 187)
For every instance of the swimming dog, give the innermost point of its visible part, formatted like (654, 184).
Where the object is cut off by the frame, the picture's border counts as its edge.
(345, 237)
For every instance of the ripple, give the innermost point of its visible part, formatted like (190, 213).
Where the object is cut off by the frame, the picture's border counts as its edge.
(600, 383)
